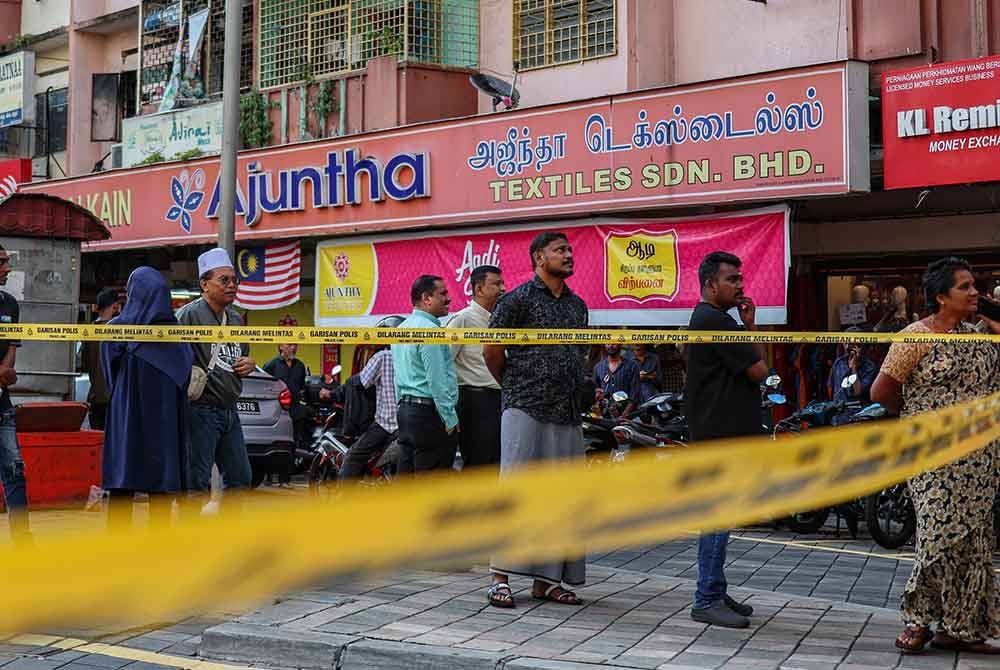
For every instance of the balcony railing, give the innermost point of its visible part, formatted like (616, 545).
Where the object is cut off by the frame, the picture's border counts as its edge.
(162, 24)
(303, 40)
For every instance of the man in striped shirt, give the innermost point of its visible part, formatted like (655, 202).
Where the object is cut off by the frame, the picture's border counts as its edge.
(378, 372)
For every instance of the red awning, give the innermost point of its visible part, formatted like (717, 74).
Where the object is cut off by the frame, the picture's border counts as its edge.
(40, 215)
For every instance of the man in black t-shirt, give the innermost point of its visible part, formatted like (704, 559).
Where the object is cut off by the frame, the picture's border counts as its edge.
(289, 369)
(723, 400)
(15, 488)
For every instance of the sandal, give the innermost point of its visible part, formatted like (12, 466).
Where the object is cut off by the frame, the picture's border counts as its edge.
(557, 594)
(948, 643)
(913, 639)
(500, 595)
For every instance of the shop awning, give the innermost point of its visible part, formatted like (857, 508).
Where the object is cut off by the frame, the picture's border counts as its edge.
(40, 215)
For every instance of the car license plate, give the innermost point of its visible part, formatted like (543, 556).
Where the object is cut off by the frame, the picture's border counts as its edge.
(248, 406)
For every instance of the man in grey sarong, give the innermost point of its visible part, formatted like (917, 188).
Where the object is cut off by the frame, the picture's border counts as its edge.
(541, 386)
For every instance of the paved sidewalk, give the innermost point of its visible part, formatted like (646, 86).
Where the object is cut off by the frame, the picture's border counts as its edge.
(630, 620)
(153, 646)
(823, 565)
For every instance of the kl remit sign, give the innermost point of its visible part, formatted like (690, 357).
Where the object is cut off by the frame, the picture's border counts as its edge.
(941, 124)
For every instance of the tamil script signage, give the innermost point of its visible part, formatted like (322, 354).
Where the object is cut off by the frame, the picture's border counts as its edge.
(17, 88)
(941, 124)
(788, 134)
(172, 133)
(637, 272)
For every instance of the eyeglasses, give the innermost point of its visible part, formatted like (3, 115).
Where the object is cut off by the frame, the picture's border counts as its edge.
(228, 280)
(4, 261)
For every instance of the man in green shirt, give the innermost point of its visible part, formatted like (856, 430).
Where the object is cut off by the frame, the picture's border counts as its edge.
(426, 385)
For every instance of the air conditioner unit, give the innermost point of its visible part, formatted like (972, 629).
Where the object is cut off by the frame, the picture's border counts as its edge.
(117, 157)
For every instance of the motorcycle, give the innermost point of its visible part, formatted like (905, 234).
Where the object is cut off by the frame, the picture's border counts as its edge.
(597, 425)
(822, 413)
(890, 517)
(660, 421)
(330, 447)
(892, 520)
(657, 423)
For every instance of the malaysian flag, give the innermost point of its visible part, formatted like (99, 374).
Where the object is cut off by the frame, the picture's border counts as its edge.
(269, 275)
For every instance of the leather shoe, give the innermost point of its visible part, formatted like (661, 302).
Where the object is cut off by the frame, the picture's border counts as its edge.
(717, 614)
(738, 607)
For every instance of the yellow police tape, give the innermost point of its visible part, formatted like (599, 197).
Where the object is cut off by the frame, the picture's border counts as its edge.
(543, 512)
(512, 336)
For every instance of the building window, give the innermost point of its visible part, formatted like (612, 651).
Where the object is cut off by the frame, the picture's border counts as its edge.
(305, 39)
(163, 23)
(51, 122)
(554, 32)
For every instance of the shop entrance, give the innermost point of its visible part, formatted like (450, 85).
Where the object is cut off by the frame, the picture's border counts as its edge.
(888, 287)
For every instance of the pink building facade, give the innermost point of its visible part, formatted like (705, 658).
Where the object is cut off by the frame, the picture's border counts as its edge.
(351, 68)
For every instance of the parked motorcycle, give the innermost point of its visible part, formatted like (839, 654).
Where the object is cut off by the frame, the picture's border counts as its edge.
(597, 424)
(822, 413)
(660, 422)
(892, 520)
(330, 447)
(890, 516)
(667, 428)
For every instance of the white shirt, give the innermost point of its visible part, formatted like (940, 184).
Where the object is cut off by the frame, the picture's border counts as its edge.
(470, 366)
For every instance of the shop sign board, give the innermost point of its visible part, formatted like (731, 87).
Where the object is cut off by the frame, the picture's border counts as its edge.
(172, 133)
(787, 134)
(638, 272)
(941, 124)
(17, 88)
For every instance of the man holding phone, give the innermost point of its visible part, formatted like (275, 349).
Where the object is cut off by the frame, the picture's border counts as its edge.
(723, 400)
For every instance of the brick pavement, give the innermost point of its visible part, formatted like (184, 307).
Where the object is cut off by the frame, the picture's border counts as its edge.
(421, 619)
(821, 565)
(636, 616)
(155, 646)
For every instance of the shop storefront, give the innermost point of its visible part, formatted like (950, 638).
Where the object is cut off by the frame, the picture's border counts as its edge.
(659, 172)
(940, 167)
(858, 261)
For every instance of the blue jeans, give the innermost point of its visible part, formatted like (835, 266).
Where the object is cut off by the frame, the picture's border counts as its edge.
(15, 488)
(217, 438)
(711, 564)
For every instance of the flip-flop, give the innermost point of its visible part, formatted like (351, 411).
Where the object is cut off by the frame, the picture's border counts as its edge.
(564, 598)
(916, 638)
(501, 596)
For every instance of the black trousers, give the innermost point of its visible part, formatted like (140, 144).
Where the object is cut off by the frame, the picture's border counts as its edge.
(423, 440)
(373, 441)
(98, 415)
(479, 412)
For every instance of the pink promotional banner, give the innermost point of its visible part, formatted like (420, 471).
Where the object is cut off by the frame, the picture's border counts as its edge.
(635, 272)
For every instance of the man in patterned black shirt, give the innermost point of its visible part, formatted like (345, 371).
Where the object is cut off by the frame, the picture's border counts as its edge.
(540, 386)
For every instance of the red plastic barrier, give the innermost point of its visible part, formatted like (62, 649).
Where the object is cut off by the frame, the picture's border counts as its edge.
(61, 466)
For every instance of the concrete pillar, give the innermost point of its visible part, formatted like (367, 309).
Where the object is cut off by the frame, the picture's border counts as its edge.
(86, 53)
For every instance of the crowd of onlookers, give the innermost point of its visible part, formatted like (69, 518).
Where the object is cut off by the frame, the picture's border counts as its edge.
(169, 413)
